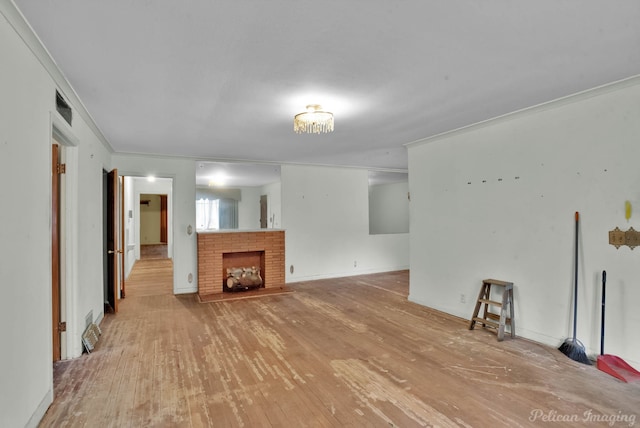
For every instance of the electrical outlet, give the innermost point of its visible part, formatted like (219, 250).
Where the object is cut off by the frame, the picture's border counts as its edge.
(355, 263)
(463, 298)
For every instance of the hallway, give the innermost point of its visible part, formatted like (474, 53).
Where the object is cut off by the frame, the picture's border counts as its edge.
(149, 277)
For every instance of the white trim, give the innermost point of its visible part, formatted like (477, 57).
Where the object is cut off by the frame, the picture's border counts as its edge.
(171, 226)
(569, 99)
(290, 280)
(62, 131)
(99, 319)
(255, 161)
(74, 330)
(64, 135)
(37, 416)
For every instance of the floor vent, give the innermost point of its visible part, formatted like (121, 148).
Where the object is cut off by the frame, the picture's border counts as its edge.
(90, 337)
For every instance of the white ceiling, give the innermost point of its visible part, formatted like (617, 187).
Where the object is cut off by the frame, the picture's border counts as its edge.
(223, 79)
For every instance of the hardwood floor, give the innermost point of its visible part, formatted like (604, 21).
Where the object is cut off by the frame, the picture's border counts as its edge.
(153, 251)
(348, 352)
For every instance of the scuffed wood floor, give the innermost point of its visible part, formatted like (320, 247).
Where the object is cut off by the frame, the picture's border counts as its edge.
(348, 352)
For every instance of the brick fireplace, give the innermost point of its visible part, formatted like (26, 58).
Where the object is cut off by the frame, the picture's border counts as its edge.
(219, 250)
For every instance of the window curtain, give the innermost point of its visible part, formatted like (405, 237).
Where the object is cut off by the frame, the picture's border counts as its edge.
(214, 214)
(228, 213)
(207, 214)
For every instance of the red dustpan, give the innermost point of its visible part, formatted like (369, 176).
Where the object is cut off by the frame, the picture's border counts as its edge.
(615, 366)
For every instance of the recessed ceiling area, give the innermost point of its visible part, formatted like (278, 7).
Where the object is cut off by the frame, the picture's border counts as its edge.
(236, 174)
(224, 79)
(387, 177)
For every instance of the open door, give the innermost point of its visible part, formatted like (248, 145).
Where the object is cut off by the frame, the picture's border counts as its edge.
(113, 250)
(122, 241)
(263, 212)
(56, 169)
(163, 219)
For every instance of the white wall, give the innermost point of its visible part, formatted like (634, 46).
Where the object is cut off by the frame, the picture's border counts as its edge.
(389, 208)
(249, 208)
(92, 159)
(28, 100)
(130, 226)
(25, 365)
(150, 219)
(182, 206)
(325, 214)
(274, 204)
(497, 200)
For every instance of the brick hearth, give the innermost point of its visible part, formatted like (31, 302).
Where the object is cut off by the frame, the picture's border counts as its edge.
(213, 245)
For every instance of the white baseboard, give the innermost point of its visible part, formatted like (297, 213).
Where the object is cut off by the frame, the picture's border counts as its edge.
(41, 410)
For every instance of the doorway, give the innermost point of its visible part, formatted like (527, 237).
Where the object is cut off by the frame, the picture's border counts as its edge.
(63, 239)
(158, 191)
(113, 281)
(263, 212)
(153, 226)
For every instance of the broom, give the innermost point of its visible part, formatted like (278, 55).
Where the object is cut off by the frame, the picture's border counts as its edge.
(572, 347)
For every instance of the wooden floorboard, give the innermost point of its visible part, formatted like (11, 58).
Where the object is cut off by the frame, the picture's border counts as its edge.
(346, 352)
(153, 251)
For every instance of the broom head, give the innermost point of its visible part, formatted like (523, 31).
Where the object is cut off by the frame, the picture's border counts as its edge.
(574, 350)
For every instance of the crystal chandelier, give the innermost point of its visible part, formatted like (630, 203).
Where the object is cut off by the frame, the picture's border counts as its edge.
(313, 121)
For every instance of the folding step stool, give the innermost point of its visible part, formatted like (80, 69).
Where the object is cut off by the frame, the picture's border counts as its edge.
(490, 319)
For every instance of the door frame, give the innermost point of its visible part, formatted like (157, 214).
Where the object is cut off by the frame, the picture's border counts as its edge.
(158, 187)
(62, 135)
(135, 184)
(122, 241)
(264, 211)
(56, 268)
(163, 219)
(113, 238)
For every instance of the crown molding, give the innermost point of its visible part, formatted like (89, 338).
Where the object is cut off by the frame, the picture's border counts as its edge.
(21, 26)
(569, 99)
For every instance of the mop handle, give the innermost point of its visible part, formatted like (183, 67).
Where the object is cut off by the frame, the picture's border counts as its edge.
(575, 283)
(604, 292)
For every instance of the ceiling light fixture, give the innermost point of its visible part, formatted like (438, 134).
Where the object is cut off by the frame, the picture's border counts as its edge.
(313, 121)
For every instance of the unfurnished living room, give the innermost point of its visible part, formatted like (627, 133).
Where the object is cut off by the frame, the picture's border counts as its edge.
(327, 214)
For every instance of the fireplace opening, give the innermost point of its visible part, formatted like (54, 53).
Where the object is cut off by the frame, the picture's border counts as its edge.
(242, 271)
(243, 279)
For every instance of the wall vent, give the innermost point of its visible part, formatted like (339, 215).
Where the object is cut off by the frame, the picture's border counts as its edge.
(88, 320)
(63, 108)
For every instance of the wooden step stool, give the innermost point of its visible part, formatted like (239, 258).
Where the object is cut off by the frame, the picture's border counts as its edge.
(493, 320)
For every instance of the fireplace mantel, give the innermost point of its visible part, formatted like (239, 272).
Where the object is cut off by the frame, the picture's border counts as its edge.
(213, 245)
(208, 232)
